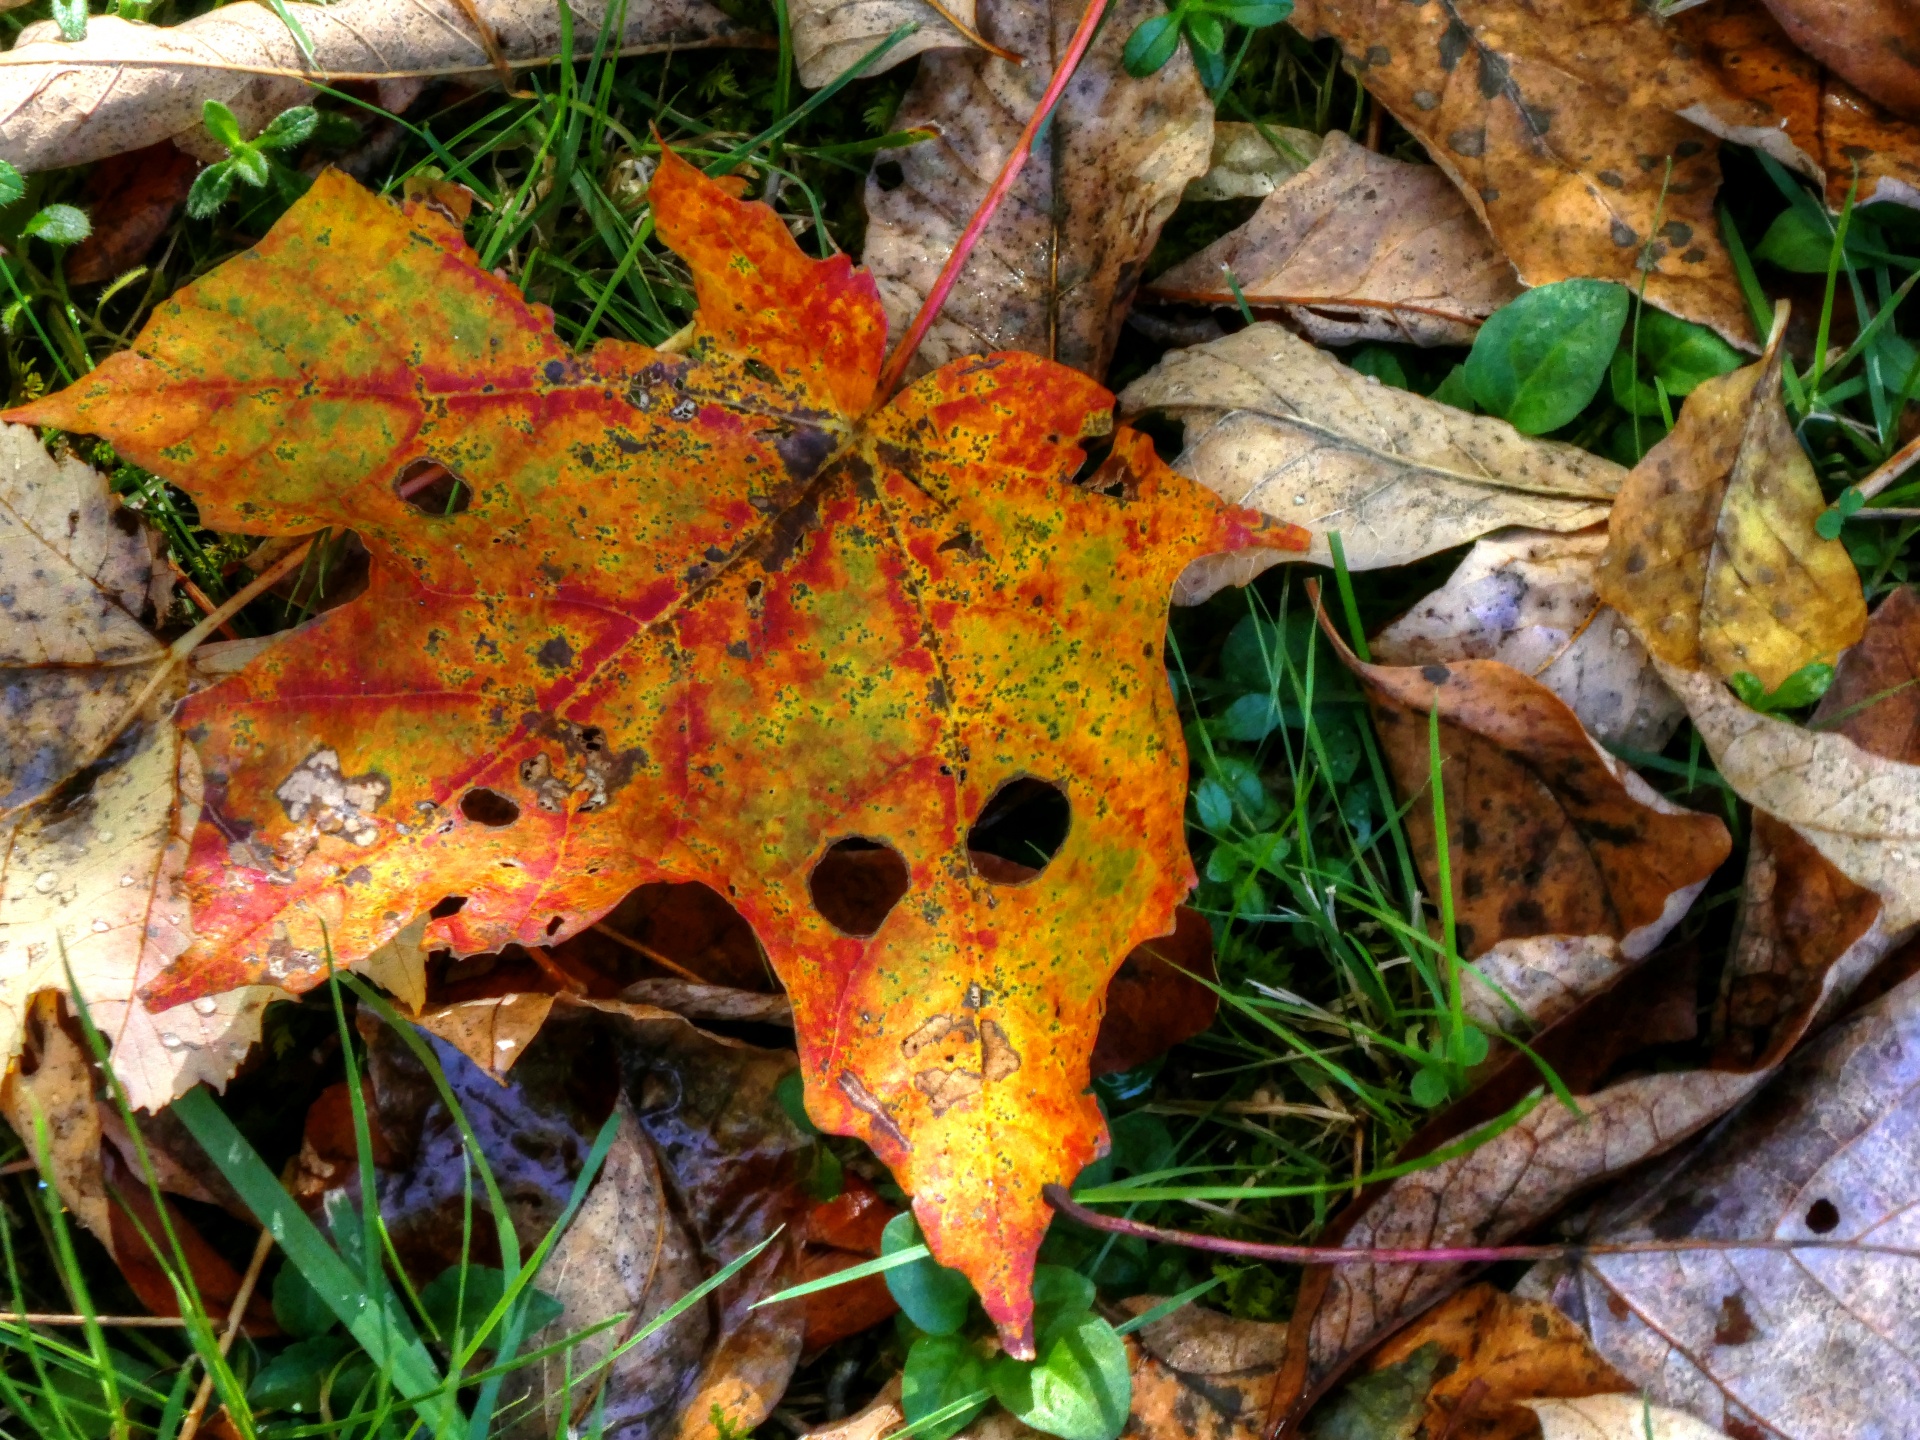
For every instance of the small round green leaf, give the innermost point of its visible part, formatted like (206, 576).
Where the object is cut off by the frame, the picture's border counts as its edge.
(1151, 45)
(1539, 360)
(297, 1306)
(1676, 353)
(1078, 1389)
(12, 186)
(59, 225)
(1060, 1297)
(941, 1369)
(932, 1296)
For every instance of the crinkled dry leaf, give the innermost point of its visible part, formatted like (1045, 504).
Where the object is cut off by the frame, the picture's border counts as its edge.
(129, 85)
(1804, 1345)
(1711, 550)
(1245, 164)
(1873, 45)
(1520, 985)
(1547, 833)
(1498, 1353)
(58, 1092)
(596, 675)
(1357, 247)
(1527, 599)
(1813, 121)
(1057, 266)
(1616, 1417)
(1276, 424)
(1562, 133)
(831, 35)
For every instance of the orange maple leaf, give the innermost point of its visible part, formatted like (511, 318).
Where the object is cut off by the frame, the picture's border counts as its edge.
(703, 617)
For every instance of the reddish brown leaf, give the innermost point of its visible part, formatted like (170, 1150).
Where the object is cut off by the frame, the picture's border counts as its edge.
(1158, 997)
(131, 200)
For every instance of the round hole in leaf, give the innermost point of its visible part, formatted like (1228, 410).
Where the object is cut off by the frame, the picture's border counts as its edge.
(888, 175)
(857, 883)
(1822, 1216)
(433, 489)
(1020, 829)
(447, 905)
(488, 807)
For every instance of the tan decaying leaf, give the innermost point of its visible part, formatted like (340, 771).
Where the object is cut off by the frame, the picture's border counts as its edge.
(1523, 984)
(1562, 133)
(1495, 1353)
(82, 585)
(626, 1252)
(1357, 247)
(129, 85)
(493, 1033)
(1059, 261)
(1712, 554)
(1547, 834)
(1805, 1345)
(400, 966)
(1858, 809)
(1247, 164)
(1527, 599)
(59, 1095)
(1873, 45)
(1276, 424)
(1616, 1417)
(1812, 120)
(829, 36)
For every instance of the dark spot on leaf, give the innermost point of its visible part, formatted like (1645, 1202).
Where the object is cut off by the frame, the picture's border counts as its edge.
(1622, 234)
(1736, 1326)
(1437, 674)
(1493, 74)
(1693, 256)
(1611, 179)
(1468, 142)
(1687, 149)
(556, 371)
(1823, 1217)
(1453, 43)
(359, 875)
(1425, 100)
(760, 370)
(1674, 231)
(803, 451)
(1379, 55)
(556, 654)
(488, 807)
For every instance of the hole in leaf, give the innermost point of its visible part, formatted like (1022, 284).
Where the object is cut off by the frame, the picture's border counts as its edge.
(447, 905)
(1822, 1217)
(433, 489)
(1025, 823)
(488, 807)
(888, 175)
(554, 924)
(857, 882)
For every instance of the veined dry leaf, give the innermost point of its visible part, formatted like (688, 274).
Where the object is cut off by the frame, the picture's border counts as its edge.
(1711, 551)
(1497, 1354)
(1357, 247)
(1512, 1180)
(1563, 135)
(1873, 45)
(1245, 164)
(602, 676)
(1058, 263)
(1616, 1417)
(130, 201)
(1527, 599)
(831, 35)
(128, 85)
(1522, 984)
(58, 1092)
(1547, 833)
(1814, 121)
(1276, 424)
(89, 874)
(1804, 1345)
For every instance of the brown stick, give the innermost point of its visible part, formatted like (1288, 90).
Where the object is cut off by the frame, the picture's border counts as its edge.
(262, 1248)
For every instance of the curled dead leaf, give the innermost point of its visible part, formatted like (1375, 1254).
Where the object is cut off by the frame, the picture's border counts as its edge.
(1711, 551)
(1357, 247)
(1060, 259)
(1273, 423)
(1245, 164)
(1527, 599)
(829, 36)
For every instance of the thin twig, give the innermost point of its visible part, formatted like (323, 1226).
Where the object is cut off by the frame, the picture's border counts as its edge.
(129, 1322)
(896, 367)
(319, 76)
(1889, 470)
(1057, 1197)
(1317, 302)
(648, 951)
(262, 1248)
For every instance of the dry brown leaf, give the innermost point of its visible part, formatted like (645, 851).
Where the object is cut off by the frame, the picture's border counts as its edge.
(1547, 834)
(1057, 265)
(1873, 45)
(1273, 423)
(58, 1092)
(829, 36)
(1246, 165)
(1564, 134)
(1804, 1345)
(1616, 1417)
(1357, 247)
(129, 85)
(1523, 984)
(1497, 1353)
(1527, 599)
(1814, 121)
(1712, 554)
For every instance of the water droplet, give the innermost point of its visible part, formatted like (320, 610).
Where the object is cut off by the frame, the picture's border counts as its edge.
(504, 1044)
(171, 1040)
(1299, 499)
(100, 927)
(125, 881)
(205, 1005)
(45, 882)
